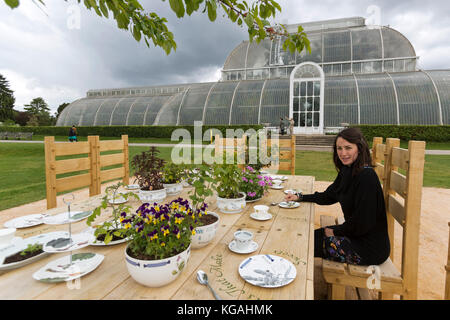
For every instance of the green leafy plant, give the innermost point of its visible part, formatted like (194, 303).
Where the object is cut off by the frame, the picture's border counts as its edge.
(202, 181)
(160, 231)
(110, 228)
(172, 173)
(227, 178)
(31, 248)
(148, 169)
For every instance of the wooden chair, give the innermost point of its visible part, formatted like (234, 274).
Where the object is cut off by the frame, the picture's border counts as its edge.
(76, 167)
(285, 153)
(231, 146)
(403, 194)
(447, 269)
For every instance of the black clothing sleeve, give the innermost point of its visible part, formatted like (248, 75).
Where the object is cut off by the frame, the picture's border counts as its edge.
(363, 205)
(328, 197)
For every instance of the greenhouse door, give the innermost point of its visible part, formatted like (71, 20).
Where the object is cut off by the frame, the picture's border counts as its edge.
(306, 103)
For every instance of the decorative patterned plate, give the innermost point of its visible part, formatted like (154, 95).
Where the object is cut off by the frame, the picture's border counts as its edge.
(19, 244)
(289, 205)
(65, 244)
(63, 218)
(267, 271)
(60, 270)
(25, 221)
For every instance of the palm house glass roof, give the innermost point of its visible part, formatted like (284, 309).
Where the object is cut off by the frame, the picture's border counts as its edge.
(369, 75)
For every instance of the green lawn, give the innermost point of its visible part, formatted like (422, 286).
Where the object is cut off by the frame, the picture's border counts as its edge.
(22, 170)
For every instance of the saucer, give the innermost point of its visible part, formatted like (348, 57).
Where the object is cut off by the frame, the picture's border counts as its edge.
(261, 217)
(285, 204)
(277, 187)
(293, 191)
(251, 248)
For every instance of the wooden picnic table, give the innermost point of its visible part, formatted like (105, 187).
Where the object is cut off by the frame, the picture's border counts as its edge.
(289, 234)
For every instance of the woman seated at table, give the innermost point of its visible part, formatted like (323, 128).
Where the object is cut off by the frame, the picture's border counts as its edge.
(363, 238)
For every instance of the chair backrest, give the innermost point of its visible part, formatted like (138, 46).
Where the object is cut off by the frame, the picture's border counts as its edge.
(447, 269)
(83, 162)
(231, 146)
(286, 154)
(403, 196)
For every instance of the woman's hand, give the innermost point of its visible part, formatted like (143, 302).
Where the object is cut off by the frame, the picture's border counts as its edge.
(329, 232)
(290, 197)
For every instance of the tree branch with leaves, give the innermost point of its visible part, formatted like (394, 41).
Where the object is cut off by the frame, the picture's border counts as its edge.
(130, 15)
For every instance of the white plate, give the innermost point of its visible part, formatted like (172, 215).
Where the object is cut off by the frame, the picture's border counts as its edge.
(19, 244)
(253, 246)
(261, 217)
(63, 218)
(25, 221)
(277, 187)
(132, 187)
(284, 204)
(65, 244)
(293, 191)
(267, 271)
(96, 242)
(60, 270)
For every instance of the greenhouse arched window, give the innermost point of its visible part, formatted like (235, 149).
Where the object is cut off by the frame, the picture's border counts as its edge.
(306, 98)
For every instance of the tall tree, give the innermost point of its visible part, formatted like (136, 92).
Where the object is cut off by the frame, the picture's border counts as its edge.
(130, 15)
(6, 100)
(60, 109)
(39, 111)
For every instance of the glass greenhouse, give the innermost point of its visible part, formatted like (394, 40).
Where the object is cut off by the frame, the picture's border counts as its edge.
(355, 74)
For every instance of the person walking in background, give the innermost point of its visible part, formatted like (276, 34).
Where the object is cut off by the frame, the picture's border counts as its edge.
(282, 126)
(291, 126)
(73, 134)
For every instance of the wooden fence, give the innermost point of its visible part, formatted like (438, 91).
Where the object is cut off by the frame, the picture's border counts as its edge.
(84, 156)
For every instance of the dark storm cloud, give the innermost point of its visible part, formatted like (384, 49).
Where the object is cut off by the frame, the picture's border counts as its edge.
(41, 56)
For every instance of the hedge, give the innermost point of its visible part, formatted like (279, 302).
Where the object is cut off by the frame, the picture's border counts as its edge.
(117, 131)
(406, 132)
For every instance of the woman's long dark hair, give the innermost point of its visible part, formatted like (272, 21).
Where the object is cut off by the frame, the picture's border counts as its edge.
(353, 135)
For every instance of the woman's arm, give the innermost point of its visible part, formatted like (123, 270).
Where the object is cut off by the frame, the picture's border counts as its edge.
(327, 197)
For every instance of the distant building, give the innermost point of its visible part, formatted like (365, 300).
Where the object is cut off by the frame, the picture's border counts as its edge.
(355, 74)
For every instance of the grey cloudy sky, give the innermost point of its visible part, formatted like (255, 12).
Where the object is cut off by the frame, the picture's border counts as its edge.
(41, 55)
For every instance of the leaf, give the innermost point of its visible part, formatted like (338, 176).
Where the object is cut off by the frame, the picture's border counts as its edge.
(12, 3)
(136, 33)
(212, 13)
(178, 7)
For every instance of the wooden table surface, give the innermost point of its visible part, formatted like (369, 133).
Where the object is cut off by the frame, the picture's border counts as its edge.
(289, 234)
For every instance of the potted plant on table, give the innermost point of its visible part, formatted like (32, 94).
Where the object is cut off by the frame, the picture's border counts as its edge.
(110, 231)
(208, 221)
(254, 184)
(227, 179)
(172, 178)
(160, 241)
(148, 172)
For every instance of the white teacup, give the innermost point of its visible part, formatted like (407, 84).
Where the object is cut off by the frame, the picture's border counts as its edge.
(6, 236)
(243, 239)
(261, 210)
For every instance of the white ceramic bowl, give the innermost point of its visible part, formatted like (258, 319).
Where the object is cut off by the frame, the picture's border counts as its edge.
(6, 235)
